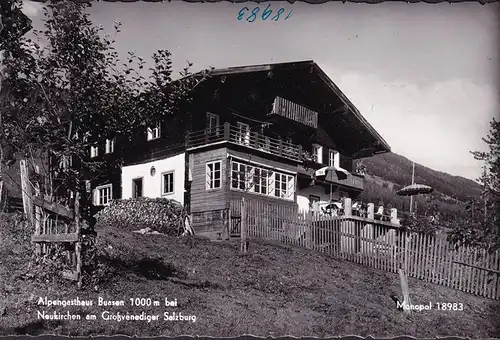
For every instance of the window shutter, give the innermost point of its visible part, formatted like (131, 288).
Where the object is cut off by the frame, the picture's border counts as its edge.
(95, 197)
(208, 176)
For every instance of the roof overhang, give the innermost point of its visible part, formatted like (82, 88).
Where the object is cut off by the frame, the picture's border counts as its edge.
(379, 145)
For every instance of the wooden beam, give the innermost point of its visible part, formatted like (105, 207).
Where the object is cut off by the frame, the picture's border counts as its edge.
(477, 267)
(73, 237)
(54, 207)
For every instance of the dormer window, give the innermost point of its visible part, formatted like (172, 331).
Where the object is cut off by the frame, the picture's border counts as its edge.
(94, 151)
(110, 145)
(154, 132)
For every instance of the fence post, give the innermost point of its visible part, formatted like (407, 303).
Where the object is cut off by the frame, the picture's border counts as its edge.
(243, 233)
(78, 245)
(347, 207)
(226, 224)
(371, 211)
(26, 191)
(38, 217)
(406, 291)
(394, 216)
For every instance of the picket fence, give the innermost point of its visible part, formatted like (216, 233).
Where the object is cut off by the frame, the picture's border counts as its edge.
(373, 243)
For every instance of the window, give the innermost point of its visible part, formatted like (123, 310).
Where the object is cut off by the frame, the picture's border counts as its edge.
(262, 181)
(239, 178)
(317, 153)
(284, 186)
(334, 159)
(168, 183)
(137, 187)
(214, 172)
(243, 133)
(94, 151)
(110, 145)
(154, 132)
(103, 195)
(213, 123)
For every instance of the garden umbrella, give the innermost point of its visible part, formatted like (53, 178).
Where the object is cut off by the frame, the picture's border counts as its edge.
(414, 189)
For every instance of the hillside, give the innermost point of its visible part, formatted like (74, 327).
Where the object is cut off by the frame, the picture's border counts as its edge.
(274, 290)
(386, 173)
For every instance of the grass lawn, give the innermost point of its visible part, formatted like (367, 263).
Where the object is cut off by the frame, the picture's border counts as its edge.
(274, 290)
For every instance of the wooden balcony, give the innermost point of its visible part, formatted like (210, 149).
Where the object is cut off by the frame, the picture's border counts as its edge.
(288, 109)
(232, 134)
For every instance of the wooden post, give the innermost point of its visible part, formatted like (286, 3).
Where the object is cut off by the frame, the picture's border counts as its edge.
(347, 207)
(38, 217)
(394, 216)
(2, 202)
(227, 131)
(26, 191)
(371, 211)
(405, 290)
(243, 226)
(78, 245)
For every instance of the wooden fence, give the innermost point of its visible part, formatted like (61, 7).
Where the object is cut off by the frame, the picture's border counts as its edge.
(374, 243)
(56, 227)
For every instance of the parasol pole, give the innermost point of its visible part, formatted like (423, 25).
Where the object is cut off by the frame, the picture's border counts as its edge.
(412, 182)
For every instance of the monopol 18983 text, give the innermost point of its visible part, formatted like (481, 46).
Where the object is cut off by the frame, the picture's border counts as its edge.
(263, 14)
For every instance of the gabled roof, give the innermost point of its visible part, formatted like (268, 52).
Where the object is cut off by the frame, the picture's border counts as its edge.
(314, 68)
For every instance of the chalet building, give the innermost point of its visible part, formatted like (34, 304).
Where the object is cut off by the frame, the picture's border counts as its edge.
(277, 132)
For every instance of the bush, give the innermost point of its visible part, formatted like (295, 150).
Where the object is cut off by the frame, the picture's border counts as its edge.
(159, 214)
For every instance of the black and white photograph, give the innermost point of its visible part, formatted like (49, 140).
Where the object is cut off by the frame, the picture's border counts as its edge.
(266, 169)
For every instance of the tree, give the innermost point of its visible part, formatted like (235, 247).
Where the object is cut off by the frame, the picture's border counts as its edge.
(14, 24)
(72, 92)
(480, 224)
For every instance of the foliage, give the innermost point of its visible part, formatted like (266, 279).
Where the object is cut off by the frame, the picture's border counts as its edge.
(428, 223)
(481, 224)
(388, 173)
(66, 90)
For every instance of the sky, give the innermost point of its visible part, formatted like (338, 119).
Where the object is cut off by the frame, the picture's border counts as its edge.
(425, 76)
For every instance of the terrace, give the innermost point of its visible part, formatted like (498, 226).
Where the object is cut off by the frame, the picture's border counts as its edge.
(235, 135)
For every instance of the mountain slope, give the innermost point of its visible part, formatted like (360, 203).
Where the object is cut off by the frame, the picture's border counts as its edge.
(386, 173)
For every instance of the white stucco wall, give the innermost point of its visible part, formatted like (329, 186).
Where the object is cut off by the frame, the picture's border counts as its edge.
(152, 185)
(303, 196)
(316, 190)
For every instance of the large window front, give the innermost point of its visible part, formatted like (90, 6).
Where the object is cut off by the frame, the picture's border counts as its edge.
(262, 181)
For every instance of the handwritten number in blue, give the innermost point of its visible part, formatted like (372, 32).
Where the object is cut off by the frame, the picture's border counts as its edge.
(266, 14)
(253, 16)
(241, 13)
(277, 16)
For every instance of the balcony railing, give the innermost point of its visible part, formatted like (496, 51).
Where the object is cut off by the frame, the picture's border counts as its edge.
(288, 109)
(232, 134)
